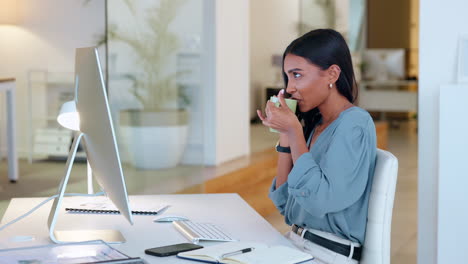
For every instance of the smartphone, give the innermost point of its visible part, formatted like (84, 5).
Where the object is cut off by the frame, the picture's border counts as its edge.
(171, 249)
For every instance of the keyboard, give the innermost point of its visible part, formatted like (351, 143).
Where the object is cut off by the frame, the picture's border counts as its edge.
(196, 232)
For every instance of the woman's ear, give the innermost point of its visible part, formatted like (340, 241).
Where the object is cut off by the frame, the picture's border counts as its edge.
(333, 73)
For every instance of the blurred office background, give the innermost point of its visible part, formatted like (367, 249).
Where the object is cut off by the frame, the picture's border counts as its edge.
(184, 80)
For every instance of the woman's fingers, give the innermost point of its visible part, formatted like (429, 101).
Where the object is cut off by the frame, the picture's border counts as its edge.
(268, 108)
(281, 99)
(263, 118)
(260, 115)
(275, 116)
(270, 104)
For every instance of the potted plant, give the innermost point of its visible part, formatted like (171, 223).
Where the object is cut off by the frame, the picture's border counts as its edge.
(155, 131)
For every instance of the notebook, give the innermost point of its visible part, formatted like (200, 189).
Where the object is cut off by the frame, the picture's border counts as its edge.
(255, 253)
(102, 205)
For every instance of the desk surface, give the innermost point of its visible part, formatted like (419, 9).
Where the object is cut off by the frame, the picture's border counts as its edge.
(229, 211)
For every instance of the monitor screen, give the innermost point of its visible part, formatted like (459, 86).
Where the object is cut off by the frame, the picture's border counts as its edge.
(96, 125)
(97, 134)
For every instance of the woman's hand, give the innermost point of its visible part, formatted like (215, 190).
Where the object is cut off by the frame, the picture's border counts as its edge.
(283, 140)
(280, 118)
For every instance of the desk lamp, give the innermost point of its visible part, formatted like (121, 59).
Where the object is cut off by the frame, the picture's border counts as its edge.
(69, 118)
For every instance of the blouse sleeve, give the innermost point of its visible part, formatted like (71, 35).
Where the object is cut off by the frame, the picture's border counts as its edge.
(279, 196)
(339, 180)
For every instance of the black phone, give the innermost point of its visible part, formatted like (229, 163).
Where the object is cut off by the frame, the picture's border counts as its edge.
(171, 249)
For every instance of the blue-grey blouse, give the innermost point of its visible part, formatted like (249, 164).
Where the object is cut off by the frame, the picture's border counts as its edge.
(328, 187)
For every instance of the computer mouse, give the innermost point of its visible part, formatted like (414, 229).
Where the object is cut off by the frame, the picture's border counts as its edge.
(170, 218)
(22, 238)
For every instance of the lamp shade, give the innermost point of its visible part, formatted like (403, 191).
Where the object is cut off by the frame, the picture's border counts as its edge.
(69, 117)
(8, 12)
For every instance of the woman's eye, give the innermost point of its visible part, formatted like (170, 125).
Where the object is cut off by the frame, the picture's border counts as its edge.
(296, 75)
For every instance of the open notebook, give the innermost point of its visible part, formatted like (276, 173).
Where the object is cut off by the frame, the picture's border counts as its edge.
(260, 254)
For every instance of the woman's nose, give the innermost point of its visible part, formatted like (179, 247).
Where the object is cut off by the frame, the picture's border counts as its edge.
(290, 89)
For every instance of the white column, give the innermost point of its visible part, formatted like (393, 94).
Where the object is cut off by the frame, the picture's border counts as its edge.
(453, 180)
(441, 22)
(226, 80)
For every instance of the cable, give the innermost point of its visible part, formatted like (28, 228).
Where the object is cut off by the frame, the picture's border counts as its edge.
(44, 202)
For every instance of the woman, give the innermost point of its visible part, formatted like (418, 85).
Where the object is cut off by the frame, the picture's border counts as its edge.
(327, 156)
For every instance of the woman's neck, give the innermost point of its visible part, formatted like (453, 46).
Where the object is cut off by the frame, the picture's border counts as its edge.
(332, 107)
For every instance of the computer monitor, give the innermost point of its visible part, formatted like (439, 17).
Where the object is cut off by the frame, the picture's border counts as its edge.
(384, 64)
(97, 134)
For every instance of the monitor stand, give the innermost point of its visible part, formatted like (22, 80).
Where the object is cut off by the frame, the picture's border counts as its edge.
(61, 236)
(107, 235)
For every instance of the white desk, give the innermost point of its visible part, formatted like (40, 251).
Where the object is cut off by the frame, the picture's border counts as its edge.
(8, 85)
(229, 211)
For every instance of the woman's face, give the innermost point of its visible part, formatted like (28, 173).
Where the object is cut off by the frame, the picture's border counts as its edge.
(307, 83)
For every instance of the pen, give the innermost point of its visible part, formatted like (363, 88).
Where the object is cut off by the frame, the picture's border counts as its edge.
(160, 211)
(245, 250)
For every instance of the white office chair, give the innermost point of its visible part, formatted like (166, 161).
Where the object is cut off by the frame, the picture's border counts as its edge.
(376, 249)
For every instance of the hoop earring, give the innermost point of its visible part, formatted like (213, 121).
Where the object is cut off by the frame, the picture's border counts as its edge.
(330, 85)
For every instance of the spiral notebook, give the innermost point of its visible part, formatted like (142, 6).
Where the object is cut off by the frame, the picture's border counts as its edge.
(102, 205)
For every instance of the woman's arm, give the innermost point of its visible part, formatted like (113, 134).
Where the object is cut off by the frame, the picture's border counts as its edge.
(340, 178)
(285, 163)
(279, 192)
(283, 120)
(297, 142)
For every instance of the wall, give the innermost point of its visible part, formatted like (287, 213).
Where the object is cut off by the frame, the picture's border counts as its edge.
(232, 79)
(441, 22)
(45, 38)
(226, 76)
(452, 195)
(413, 56)
(273, 25)
(388, 24)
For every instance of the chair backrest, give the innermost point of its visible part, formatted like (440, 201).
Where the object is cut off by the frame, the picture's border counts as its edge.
(376, 248)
